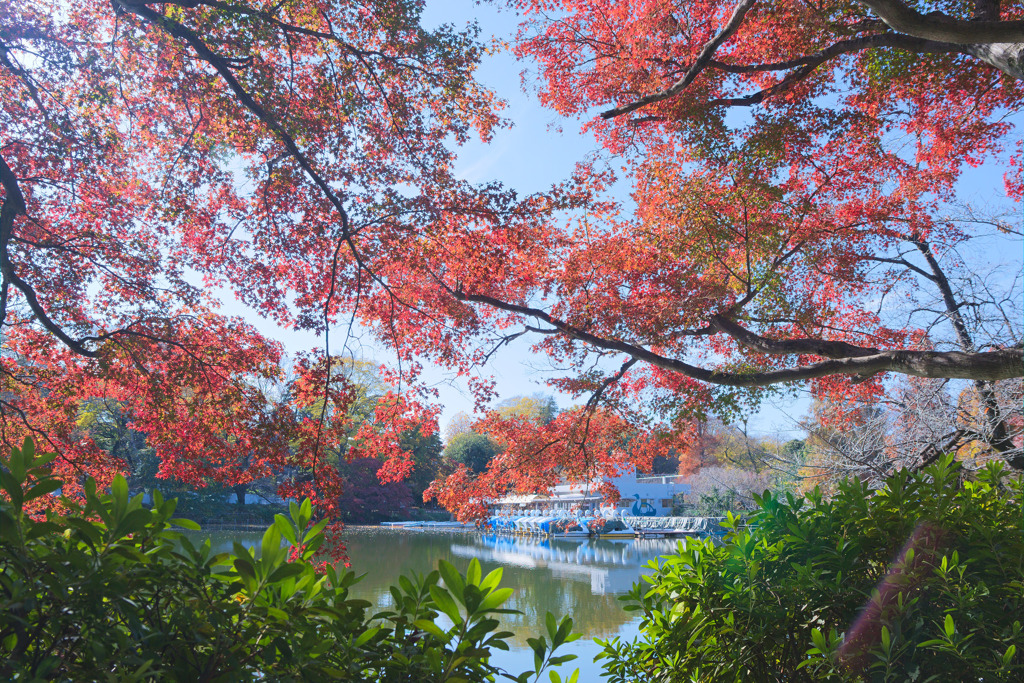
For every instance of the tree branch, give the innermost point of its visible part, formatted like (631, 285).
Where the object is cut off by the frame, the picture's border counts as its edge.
(608, 381)
(944, 28)
(803, 67)
(989, 365)
(699, 64)
(903, 262)
(12, 207)
(223, 68)
(803, 347)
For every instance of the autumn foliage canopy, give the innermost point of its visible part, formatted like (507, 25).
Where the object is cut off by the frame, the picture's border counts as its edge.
(788, 165)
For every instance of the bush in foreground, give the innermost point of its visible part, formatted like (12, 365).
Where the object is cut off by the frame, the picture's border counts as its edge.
(111, 591)
(922, 580)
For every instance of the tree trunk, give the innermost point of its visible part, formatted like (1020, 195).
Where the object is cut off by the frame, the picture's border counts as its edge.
(1007, 57)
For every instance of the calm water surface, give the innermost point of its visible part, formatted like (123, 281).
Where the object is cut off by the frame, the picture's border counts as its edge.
(582, 579)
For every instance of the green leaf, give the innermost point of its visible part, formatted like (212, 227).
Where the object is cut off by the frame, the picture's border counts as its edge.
(90, 530)
(445, 603)
(285, 528)
(433, 629)
(552, 626)
(17, 464)
(452, 578)
(366, 636)
(278, 613)
(245, 568)
(286, 571)
(474, 572)
(949, 626)
(185, 524)
(270, 547)
(90, 489)
(40, 463)
(134, 521)
(42, 529)
(492, 579)
(12, 486)
(564, 629)
(28, 450)
(495, 599)
(119, 489)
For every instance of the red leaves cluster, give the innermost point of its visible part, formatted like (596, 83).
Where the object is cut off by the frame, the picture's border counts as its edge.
(299, 155)
(579, 447)
(160, 151)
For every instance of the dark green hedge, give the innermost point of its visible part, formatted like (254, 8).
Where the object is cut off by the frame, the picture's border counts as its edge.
(922, 580)
(111, 592)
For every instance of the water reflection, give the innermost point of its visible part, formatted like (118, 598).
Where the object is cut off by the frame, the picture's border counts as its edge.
(581, 578)
(609, 566)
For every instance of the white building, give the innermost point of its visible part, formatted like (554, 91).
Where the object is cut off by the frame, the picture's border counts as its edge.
(639, 496)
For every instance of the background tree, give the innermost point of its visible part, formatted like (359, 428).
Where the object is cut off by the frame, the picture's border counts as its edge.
(427, 451)
(472, 450)
(460, 423)
(717, 490)
(248, 145)
(366, 500)
(539, 407)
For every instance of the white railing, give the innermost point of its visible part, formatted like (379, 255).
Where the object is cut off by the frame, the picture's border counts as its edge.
(666, 479)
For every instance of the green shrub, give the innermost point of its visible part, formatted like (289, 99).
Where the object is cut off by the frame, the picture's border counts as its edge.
(922, 580)
(110, 591)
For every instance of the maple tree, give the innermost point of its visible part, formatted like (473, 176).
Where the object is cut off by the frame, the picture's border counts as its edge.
(791, 167)
(300, 155)
(803, 195)
(152, 152)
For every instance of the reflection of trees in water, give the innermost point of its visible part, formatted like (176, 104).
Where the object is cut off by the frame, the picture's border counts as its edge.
(582, 579)
(384, 554)
(539, 592)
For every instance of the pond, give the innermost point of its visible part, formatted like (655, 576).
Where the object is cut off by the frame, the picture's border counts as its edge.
(579, 578)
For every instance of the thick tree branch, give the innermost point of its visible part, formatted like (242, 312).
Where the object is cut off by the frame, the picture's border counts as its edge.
(803, 347)
(844, 47)
(989, 365)
(803, 67)
(986, 10)
(905, 263)
(12, 207)
(948, 298)
(944, 28)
